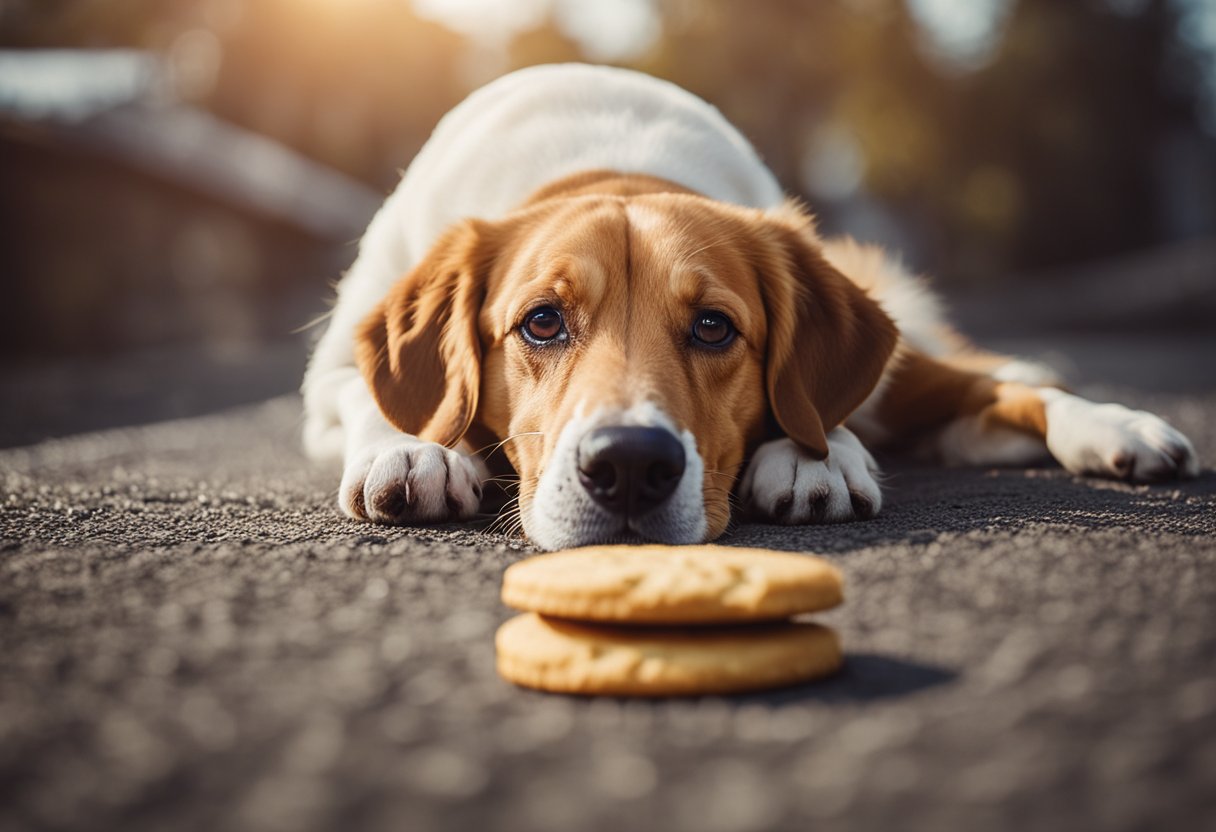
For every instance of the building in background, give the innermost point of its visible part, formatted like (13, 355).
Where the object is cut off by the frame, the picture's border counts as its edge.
(133, 219)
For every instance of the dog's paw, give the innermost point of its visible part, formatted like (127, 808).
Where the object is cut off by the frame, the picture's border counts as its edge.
(410, 481)
(785, 485)
(1110, 440)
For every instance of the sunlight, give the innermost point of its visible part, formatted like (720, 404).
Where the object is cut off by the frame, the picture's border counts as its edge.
(617, 31)
(485, 19)
(964, 33)
(606, 31)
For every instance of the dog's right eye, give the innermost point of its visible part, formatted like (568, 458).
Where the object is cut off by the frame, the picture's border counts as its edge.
(543, 325)
(712, 329)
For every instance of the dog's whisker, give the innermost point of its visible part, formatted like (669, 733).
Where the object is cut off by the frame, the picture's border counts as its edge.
(509, 520)
(715, 473)
(502, 525)
(504, 481)
(491, 448)
(512, 525)
(317, 321)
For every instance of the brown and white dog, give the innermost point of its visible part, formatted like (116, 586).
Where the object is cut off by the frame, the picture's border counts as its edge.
(591, 269)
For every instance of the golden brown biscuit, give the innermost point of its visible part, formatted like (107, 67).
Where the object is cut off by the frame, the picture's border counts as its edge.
(672, 584)
(568, 657)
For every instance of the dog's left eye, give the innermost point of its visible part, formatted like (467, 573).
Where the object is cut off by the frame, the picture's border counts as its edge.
(712, 329)
(542, 325)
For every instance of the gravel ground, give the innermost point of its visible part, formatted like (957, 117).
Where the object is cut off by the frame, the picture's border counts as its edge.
(193, 638)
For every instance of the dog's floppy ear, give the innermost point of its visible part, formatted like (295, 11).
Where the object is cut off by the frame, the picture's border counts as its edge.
(828, 342)
(419, 350)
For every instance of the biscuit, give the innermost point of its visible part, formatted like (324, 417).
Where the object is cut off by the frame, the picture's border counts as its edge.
(672, 584)
(567, 657)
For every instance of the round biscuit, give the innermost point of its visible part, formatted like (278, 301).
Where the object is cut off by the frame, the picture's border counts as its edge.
(596, 659)
(672, 584)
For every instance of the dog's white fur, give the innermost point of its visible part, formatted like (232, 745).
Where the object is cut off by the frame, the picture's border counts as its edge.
(538, 125)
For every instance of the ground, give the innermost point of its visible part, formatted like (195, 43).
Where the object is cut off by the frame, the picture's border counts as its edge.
(192, 637)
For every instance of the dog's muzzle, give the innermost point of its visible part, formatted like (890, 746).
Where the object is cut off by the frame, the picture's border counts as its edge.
(630, 471)
(617, 476)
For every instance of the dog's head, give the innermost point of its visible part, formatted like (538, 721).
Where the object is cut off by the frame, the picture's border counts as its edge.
(629, 349)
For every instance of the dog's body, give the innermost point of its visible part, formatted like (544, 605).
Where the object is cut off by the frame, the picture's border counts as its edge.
(594, 269)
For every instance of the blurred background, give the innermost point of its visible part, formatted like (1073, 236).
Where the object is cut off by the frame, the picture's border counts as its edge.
(181, 181)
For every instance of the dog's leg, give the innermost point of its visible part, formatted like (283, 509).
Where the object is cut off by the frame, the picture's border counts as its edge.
(391, 477)
(1000, 415)
(783, 484)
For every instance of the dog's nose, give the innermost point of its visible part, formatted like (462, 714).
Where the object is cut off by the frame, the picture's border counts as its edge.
(630, 470)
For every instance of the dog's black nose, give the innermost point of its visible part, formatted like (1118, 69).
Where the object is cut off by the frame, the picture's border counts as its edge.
(630, 470)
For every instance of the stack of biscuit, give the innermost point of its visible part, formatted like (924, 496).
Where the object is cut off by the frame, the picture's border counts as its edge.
(667, 620)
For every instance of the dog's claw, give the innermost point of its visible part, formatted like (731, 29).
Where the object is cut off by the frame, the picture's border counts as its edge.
(863, 506)
(392, 501)
(818, 506)
(358, 506)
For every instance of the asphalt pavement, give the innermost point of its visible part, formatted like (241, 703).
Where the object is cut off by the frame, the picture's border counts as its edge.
(193, 638)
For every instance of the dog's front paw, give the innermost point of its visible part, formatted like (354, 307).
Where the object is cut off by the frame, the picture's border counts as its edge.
(407, 480)
(1110, 440)
(785, 485)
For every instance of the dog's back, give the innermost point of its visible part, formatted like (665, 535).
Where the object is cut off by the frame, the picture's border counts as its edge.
(536, 126)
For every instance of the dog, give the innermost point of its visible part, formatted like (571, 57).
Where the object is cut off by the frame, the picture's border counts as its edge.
(592, 271)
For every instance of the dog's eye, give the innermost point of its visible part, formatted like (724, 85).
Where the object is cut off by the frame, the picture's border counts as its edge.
(712, 329)
(542, 325)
